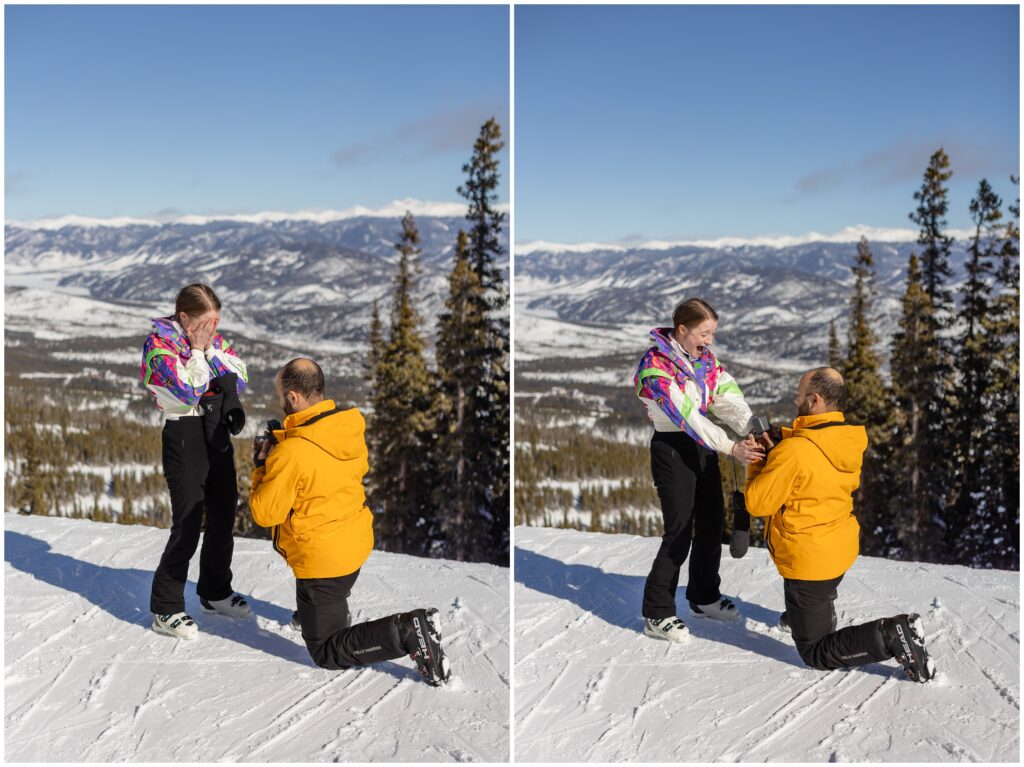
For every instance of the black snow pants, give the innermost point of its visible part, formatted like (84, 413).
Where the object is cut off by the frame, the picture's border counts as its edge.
(690, 489)
(810, 609)
(201, 480)
(333, 642)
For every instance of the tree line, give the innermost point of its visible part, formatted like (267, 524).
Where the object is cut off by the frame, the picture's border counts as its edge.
(439, 436)
(941, 478)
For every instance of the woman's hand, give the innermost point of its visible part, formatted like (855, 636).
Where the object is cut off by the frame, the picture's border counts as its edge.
(747, 451)
(200, 334)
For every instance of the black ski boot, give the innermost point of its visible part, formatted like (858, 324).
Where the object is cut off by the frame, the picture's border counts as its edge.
(903, 636)
(420, 634)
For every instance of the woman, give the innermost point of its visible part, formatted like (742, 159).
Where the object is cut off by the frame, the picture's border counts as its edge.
(180, 359)
(680, 382)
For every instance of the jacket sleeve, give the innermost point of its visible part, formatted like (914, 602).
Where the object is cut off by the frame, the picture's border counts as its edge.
(727, 403)
(771, 482)
(224, 359)
(185, 382)
(680, 405)
(275, 487)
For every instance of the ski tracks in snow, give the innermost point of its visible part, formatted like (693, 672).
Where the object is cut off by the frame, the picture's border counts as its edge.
(87, 680)
(591, 687)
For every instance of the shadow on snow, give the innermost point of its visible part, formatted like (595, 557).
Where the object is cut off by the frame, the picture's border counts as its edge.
(124, 594)
(616, 598)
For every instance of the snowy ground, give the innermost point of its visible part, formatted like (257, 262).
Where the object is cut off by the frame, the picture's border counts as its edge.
(85, 679)
(591, 687)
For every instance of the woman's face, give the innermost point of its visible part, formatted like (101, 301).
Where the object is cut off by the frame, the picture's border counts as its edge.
(188, 322)
(696, 339)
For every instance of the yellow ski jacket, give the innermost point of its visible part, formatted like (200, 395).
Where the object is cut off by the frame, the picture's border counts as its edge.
(805, 488)
(311, 492)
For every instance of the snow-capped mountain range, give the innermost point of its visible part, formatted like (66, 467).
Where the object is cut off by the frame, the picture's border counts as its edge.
(313, 275)
(775, 296)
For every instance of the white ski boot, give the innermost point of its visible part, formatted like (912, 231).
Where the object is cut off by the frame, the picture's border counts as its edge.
(671, 629)
(233, 606)
(177, 625)
(722, 610)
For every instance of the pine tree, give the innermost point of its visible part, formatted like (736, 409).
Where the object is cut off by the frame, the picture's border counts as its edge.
(486, 221)
(835, 359)
(1003, 326)
(403, 416)
(489, 397)
(910, 499)
(935, 402)
(867, 403)
(371, 369)
(969, 530)
(461, 452)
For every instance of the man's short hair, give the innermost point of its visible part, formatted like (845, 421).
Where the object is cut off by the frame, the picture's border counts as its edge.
(829, 385)
(303, 376)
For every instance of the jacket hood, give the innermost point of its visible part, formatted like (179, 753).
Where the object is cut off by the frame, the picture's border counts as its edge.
(340, 434)
(843, 445)
(168, 327)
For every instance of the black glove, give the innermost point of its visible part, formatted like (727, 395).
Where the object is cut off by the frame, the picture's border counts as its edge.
(233, 415)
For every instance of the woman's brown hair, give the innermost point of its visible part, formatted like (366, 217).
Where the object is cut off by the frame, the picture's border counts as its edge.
(195, 299)
(692, 312)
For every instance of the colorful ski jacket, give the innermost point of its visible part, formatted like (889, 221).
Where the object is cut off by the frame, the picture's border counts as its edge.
(679, 392)
(176, 376)
(310, 491)
(805, 487)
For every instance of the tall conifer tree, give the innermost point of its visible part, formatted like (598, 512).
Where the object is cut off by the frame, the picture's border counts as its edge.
(1003, 324)
(969, 532)
(374, 443)
(935, 399)
(835, 356)
(867, 404)
(403, 418)
(490, 398)
(462, 449)
(910, 500)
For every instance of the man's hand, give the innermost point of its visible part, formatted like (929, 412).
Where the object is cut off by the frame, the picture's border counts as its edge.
(260, 450)
(748, 451)
(766, 442)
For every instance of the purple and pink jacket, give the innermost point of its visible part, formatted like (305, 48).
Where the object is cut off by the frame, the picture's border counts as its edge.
(178, 377)
(679, 392)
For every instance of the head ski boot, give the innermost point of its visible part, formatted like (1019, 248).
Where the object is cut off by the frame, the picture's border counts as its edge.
(903, 636)
(420, 634)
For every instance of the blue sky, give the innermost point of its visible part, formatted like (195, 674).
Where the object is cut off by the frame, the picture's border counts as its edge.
(692, 122)
(138, 111)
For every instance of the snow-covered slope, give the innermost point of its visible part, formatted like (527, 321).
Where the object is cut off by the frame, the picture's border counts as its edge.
(86, 680)
(591, 687)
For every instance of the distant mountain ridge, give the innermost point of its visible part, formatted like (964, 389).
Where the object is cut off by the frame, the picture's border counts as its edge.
(775, 301)
(280, 273)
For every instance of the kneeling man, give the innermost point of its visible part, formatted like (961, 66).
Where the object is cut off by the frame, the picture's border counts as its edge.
(805, 488)
(309, 488)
